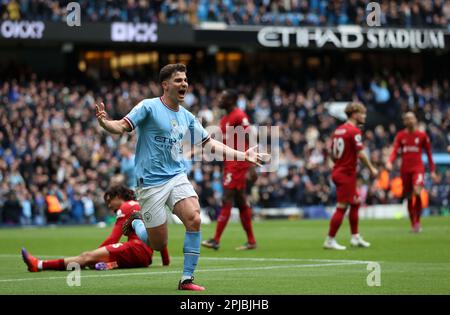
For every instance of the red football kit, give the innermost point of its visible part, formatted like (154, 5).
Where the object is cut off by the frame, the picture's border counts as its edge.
(346, 143)
(410, 146)
(234, 175)
(235, 172)
(133, 253)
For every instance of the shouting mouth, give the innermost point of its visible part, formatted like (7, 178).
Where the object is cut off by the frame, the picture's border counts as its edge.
(181, 93)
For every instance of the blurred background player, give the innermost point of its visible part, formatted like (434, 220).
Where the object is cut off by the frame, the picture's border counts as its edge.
(111, 254)
(347, 148)
(235, 173)
(410, 143)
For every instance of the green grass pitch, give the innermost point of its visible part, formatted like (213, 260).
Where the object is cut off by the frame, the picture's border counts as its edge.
(289, 260)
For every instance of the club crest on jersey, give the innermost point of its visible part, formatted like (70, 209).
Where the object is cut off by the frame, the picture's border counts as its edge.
(416, 140)
(174, 123)
(147, 216)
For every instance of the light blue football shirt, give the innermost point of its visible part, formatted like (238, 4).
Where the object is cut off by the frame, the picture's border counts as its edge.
(160, 135)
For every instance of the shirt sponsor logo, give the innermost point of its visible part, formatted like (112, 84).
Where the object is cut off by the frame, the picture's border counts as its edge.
(410, 149)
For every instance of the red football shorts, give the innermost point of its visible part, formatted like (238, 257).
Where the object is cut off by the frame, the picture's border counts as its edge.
(411, 179)
(235, 178)
(345, 188)
(132, 254)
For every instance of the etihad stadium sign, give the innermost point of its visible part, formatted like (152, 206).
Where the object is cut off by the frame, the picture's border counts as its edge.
(352, 37)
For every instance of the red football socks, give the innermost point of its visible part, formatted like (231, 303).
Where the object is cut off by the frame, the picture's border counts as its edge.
(354, 218)
(246, 220)
(56, 264)
(411, 211)
(336, 221)
(222, 220)
(417, 209)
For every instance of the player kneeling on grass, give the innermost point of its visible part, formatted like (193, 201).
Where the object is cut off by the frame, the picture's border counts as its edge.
(347, 148)
(111, 254)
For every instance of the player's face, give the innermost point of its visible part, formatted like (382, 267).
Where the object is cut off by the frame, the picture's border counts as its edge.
(177, 86)
(409, 120)
(114, 203)
(223, 100)
(361, 117)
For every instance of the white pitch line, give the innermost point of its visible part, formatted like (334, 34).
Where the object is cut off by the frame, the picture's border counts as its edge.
(200, 270)
(280, 259)
(228, 259)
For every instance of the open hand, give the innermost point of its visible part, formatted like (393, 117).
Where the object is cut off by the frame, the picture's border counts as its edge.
(253, 156)
(100, 112)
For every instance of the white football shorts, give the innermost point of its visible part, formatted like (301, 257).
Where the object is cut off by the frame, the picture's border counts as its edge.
(152, 200)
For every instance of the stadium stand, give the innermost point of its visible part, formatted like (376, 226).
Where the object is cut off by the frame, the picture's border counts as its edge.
(55, 162)
(411, 13)
(51, 145)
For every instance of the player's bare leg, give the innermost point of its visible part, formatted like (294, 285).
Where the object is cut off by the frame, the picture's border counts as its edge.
(188, 210)
(417, 205)
(222, 220)
(135, 222)
(245, 213)
(335, 223)
(157, 237)
(86, 259)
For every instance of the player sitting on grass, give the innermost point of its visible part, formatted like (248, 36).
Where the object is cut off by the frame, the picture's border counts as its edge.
(111, 254)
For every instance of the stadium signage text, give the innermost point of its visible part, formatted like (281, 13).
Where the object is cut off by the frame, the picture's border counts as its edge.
(349, 37)
(22, 29)
(134, 32)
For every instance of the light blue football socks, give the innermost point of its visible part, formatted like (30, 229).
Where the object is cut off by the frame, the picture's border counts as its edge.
(191, 250)
(141, 231)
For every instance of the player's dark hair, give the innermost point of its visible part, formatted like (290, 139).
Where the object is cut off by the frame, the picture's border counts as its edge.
(168, 70)
(119, 191)
(232, 95)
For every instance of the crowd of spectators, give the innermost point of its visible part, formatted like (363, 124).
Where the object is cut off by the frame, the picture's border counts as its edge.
(400, 13)
(56, 162)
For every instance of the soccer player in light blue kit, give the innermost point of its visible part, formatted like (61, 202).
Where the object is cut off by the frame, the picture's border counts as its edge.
(161, 125)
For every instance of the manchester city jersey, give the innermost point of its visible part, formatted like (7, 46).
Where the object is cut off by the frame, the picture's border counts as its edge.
(161, 132)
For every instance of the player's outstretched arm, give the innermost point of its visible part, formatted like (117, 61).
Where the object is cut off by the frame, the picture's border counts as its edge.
(112, 126)
(393, 155)
(251, 155)
(365, 160)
